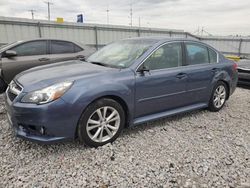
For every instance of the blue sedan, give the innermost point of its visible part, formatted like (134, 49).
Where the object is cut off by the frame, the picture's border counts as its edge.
(126, 83)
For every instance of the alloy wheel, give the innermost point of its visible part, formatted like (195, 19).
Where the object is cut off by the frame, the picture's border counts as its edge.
(103, 124)
(219, 96)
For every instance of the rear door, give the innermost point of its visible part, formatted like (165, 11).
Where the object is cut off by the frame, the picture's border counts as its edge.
(29, 54)
(64, 51)
(164, 86)
(201, 68)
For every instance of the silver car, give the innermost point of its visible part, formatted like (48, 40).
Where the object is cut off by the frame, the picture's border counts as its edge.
(22, 55)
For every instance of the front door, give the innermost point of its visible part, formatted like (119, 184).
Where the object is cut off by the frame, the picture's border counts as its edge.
(163, 87)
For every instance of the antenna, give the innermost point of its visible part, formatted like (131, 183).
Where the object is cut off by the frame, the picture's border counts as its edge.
(48, 3)
(107, 14)
(32, 13)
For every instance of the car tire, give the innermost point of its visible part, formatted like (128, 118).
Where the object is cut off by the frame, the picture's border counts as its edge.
(218, 97)
(101, 123)
(3, 86)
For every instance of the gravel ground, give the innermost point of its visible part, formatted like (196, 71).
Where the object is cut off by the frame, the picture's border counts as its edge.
(198, 149)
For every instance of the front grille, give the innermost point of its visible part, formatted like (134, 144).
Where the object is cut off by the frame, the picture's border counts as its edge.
(14, 90)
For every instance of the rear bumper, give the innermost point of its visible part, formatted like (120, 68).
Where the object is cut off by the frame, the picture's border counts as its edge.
(47, 123)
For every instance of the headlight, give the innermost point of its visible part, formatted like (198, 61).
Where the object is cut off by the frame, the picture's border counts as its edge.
(48, 94)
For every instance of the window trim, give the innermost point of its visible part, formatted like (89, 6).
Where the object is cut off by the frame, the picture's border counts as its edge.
(74, 44)
(165, 43)
(47, 47)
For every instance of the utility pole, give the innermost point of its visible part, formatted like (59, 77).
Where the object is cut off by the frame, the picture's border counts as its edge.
(32, 13)
(139, 22)
(131, 14)
(48, 3)
(107, 14)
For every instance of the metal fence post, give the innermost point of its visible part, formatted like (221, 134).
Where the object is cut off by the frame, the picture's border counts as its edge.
(240, 45)
(139, 32)
(96, 38)
(39, 29)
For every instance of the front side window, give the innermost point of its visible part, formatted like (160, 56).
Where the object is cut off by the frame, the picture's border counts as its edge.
(167, 56)
(31, 48)
(197, 54)
(61, 47)
(121, 54)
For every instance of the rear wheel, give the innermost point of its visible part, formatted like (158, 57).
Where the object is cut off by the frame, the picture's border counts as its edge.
(219, 96)
(101, 123)
(3, 86)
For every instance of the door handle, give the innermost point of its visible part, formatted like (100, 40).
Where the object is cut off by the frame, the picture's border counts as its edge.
(181, 75)
(44, 59)
(81, 57)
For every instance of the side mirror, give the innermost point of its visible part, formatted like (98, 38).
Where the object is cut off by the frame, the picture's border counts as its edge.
(10, 53)
(143, 69)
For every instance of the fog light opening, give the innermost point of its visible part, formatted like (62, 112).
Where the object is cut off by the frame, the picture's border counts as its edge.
(21, 128)
(42, 130)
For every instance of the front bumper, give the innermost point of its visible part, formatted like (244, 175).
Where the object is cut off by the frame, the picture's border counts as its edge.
(48, 123)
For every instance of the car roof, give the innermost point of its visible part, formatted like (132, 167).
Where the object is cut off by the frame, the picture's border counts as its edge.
(162, 39)
(10, 45)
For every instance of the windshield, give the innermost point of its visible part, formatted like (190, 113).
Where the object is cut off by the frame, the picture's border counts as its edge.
(121, 54)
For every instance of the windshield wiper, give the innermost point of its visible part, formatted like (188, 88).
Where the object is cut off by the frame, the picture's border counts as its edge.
(103, 64)
(99, 63)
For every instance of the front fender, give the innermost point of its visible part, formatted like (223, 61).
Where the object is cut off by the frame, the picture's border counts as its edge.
(84, 93)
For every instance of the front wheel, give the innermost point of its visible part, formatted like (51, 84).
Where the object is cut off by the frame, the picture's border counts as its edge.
(101, 123)
(219, 96)
(3, 86)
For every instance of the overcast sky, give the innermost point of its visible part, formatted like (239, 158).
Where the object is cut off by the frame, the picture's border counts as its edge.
(218, 17)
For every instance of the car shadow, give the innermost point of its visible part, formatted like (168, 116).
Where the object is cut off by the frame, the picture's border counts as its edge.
(243, 86)
(72, 145)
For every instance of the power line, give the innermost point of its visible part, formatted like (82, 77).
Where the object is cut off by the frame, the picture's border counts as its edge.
(48, 3)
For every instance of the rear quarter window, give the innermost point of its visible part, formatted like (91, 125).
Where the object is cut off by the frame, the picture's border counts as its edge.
(213, 56)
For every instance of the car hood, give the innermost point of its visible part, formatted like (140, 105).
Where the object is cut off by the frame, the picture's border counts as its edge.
(244, 64)
(43, 76)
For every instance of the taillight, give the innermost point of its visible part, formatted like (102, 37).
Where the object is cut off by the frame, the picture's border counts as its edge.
(235, 66)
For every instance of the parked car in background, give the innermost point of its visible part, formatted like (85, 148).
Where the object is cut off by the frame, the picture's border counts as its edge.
(22, 55)
(244, 72)
(125, 83)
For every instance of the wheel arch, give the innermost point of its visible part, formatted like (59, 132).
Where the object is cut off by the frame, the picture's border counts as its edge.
(228, 87)
(116, 98)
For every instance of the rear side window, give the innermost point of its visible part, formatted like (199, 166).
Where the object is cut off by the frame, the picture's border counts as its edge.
(62, 47)
(212, 56)
(31, 48)
(197, 54)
